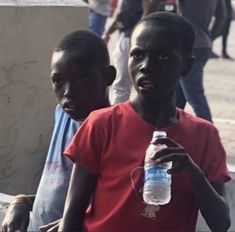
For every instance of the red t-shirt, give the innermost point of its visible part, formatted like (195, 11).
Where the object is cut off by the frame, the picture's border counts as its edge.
(112, 142)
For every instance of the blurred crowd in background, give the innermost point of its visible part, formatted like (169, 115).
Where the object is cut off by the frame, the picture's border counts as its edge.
(210, 18)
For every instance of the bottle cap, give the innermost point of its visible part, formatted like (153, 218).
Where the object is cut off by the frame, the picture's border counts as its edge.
(158, 135)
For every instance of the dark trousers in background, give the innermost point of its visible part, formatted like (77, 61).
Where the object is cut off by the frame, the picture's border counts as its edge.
(191, 88)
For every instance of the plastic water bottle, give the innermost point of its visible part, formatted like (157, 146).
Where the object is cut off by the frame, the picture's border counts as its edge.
(157, 183)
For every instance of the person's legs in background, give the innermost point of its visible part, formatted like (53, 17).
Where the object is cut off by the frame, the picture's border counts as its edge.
(192, 85)
(122, 84)
(96, 22)
(226, 29)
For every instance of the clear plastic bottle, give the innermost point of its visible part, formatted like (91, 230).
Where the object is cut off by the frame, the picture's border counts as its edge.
(157, 183)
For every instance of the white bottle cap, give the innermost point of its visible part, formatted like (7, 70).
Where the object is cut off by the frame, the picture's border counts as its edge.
(158, 135)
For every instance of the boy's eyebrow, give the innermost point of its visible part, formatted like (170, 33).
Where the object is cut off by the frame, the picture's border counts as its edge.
(55, 75)
(136, 49)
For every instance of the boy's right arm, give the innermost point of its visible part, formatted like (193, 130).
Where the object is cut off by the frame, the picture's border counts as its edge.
(82, 186)
(17, 215)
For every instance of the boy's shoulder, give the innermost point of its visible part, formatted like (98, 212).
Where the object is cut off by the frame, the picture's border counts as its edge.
(111, 110)
(189, 120)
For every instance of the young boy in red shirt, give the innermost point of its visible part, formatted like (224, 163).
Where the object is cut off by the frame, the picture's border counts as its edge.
(112, 143)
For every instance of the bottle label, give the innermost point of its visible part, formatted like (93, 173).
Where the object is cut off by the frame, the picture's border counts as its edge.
(157, 173)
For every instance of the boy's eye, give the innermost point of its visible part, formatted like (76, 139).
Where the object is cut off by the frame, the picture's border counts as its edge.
(57, 83)
(163, 57)
(137, 55)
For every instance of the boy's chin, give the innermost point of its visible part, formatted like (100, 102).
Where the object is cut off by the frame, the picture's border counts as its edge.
(77, 116)
(154, 96)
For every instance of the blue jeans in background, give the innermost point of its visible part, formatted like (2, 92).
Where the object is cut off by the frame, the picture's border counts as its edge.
(191, 86)
(96, 22)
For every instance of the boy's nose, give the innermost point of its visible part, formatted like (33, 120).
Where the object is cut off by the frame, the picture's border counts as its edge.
(68, 90)
(146, 66)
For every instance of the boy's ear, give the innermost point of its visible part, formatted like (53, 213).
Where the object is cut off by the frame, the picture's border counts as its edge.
(110, 74)
(188, 63)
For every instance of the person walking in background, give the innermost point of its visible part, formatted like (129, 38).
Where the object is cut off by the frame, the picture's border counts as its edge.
(226, 30)
(99, 10)
(223, 11)
(191, 89)
(131, 11)
(129, 14)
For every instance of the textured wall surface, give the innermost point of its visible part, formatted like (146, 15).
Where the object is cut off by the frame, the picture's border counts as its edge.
(28, 35)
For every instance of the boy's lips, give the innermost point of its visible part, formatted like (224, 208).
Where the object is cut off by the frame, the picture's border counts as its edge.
(74, 110)
(145, 83)
(69, 107)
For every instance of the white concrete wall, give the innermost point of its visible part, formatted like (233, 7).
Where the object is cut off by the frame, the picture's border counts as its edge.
(28, 35)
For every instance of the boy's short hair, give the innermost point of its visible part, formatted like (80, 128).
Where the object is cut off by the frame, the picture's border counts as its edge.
(88, 43)
(178, 24)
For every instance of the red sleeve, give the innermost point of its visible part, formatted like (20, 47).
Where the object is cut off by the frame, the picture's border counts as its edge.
(215, 163)
(86, 146)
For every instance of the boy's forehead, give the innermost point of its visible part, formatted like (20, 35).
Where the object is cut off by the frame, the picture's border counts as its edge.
(64, 56)
(146, 30)
(155, 36)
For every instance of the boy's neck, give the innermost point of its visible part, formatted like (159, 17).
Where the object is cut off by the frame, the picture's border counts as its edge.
(159, 114)
(104, 104)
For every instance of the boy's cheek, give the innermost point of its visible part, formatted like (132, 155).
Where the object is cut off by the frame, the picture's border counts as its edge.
(58, 96)
(54, 88)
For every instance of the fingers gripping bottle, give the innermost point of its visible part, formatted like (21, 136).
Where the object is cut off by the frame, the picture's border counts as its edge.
(157, 182)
